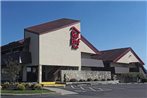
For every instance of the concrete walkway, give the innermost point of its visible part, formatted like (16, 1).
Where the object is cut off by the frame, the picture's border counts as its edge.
(95, 82)
(60, 91)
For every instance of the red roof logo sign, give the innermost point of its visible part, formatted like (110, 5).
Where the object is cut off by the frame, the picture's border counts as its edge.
(75, 39)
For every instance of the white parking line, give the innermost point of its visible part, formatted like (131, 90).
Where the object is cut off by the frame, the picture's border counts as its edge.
(72, 86)
(92, 89)
(82, 88)
(100, 89)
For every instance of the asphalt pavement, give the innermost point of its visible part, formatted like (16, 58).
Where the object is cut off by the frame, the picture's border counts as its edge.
(97, 91)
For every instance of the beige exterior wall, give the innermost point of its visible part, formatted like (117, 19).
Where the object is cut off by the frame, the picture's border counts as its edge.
(85, 48)
(55, 48)
(128, 58)
(34, 47)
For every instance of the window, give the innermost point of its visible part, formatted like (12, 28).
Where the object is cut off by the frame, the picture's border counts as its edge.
(28, 69)
(34, 70)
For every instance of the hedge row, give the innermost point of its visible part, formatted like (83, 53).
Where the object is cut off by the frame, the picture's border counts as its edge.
(89, 79)
(21, 86)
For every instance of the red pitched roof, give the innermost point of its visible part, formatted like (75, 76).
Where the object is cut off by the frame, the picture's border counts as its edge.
(51, 26)
(115, 54)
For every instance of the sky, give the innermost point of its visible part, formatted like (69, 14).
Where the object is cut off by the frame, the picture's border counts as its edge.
(107, 25)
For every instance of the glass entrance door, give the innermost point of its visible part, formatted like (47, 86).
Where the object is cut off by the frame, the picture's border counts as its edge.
(32, 74)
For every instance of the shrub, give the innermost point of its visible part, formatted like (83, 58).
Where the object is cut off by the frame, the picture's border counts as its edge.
(73, 80)
(108, 79)
(130, 77)
(21, 87)
(6, 85)
(144, 80)
(103, 80)
(13, 85)
(36, 86)
(95, 79)
(28, 85)
(89, 79)
(16, 83)
(81, 80)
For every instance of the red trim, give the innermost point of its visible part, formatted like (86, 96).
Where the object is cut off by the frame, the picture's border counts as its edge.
(30, 31)
(137, 57)
(129, 49)
(26, 30)
(89, 45)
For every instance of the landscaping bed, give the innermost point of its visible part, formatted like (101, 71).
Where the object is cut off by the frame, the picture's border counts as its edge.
(22, 88)
(25, 91)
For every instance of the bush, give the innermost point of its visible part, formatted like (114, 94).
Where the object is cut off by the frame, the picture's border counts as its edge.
(28, 85)
(21, 87)
(73, 80)
(16, 83)
(103, 80)
(130, 77)
(36, 86)
(89, 79)
(108, 79)
(144, 80)
(13, 86)
(81, 80)
(6, 85)
(95, 79)
(140, 76)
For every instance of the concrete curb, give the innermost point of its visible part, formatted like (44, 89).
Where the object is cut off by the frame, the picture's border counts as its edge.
(132, 83)
(8, 94)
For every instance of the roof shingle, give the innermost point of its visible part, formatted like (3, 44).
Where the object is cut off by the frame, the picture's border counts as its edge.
(115, 54)
(51, 26)
(111, 55)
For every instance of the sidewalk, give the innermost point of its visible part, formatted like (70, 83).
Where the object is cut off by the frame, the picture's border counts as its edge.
(60, 91)
(95, 82)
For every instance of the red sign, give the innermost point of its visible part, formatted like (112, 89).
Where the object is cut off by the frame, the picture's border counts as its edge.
(75, 40)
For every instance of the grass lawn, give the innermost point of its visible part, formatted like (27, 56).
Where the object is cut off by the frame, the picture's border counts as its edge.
(25, 91)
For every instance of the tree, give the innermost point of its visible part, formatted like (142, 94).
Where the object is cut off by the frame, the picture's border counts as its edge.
(13, 68)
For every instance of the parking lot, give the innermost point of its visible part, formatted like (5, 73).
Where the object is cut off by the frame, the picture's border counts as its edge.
(98, 91)
(134, 90)
(82, 88)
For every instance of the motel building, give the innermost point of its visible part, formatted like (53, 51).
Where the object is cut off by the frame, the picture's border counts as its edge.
(50, 51)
